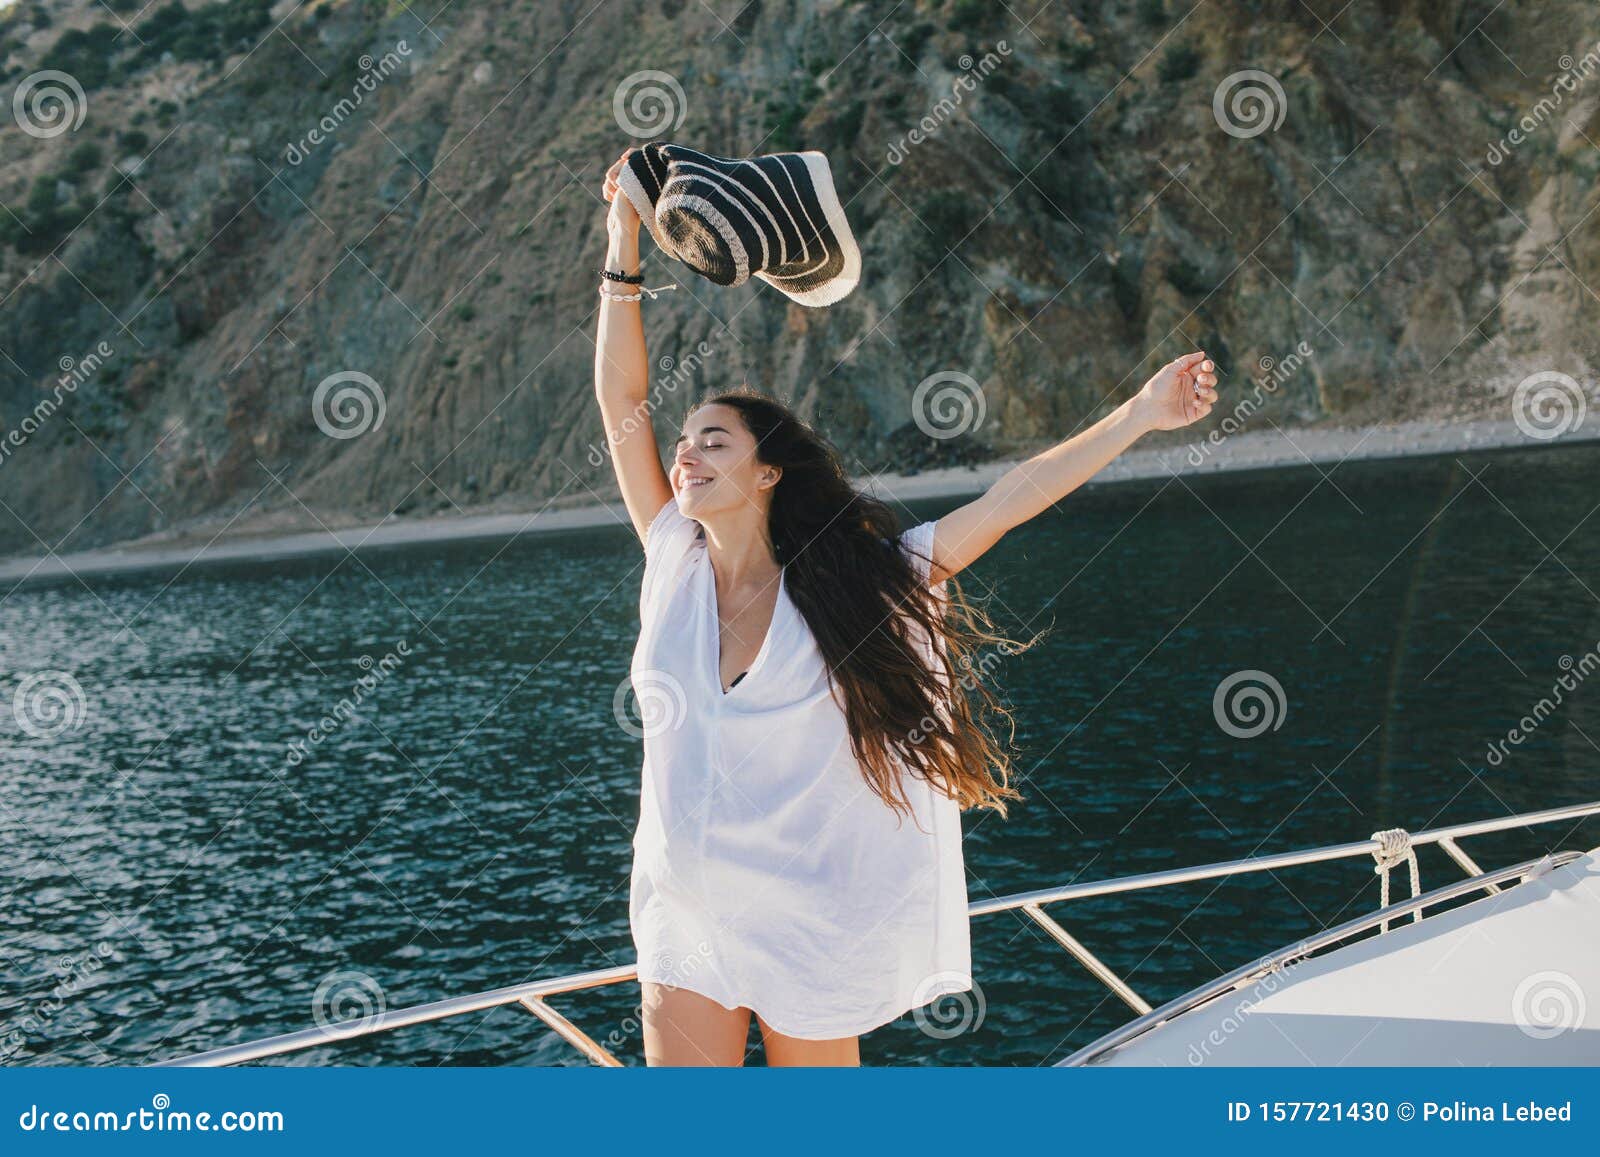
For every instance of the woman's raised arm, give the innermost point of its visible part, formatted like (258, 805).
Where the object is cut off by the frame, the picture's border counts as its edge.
(622, 371)
(1179, 393)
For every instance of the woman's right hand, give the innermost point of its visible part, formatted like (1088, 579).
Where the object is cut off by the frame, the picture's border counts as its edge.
(622, 216)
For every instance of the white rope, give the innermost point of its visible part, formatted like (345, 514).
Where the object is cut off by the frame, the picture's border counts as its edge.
(643, 289)
(1394, 849)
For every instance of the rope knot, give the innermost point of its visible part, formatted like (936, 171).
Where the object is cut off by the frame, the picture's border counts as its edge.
(1395, 848)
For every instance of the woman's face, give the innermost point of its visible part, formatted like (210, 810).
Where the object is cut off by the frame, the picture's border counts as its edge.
(715, 467)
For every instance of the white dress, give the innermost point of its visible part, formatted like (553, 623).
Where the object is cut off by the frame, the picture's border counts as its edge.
(767, 874)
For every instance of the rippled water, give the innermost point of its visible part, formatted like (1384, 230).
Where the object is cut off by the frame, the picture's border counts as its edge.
(182, 877)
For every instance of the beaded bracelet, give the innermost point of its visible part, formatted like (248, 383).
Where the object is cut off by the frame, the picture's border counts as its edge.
(643, 289)
(630, 278)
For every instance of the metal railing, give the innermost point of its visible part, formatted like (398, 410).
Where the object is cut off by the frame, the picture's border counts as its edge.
(1276, 961)
(534, 996)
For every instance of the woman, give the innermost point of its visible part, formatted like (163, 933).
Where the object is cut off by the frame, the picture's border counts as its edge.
(805, 672)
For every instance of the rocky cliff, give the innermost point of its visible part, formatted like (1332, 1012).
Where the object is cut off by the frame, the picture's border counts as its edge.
(274, 264)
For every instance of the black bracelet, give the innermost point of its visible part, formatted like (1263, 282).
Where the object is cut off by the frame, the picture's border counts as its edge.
(628, 278)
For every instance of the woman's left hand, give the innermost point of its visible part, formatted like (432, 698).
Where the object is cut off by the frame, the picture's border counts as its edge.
(1180, 392)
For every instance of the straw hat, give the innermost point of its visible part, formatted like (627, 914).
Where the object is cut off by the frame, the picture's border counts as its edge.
(775, 216)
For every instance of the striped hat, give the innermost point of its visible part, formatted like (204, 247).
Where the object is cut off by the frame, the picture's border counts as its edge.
(776, 216)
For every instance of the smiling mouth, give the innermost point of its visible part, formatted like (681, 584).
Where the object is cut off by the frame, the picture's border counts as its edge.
(696, 483)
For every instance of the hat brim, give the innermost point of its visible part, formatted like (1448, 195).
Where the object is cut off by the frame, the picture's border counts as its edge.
(633, 189)
(838, 287)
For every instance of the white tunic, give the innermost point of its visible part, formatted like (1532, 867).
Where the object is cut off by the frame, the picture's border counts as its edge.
(767, 874)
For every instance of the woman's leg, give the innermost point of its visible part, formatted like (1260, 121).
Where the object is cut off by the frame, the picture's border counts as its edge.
(685, 1028)
(844, 1052)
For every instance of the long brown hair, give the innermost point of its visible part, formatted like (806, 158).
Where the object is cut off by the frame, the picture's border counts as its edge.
(867, 609)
